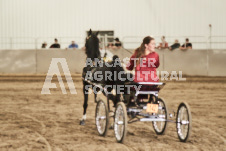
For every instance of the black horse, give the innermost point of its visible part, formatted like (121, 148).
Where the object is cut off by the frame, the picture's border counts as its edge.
(108, 70)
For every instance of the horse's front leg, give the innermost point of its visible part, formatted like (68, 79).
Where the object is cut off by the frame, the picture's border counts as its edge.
(85, 104)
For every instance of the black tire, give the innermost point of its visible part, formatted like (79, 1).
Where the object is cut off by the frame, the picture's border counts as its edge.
(120, 122)
(160, 127)
(102, 117)
(184, 122)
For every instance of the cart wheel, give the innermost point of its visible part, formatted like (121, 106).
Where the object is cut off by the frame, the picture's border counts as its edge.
(184, 122)
(160, 127)
(102, 117)
(120, 124)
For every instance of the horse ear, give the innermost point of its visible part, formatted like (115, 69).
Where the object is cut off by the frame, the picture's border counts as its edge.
(90, 32)
(97, 33)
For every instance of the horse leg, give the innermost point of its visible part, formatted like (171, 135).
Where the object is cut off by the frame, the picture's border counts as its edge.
(95, 97)
(85, 104)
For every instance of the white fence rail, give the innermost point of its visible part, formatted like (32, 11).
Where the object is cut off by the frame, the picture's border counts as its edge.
(190, 62)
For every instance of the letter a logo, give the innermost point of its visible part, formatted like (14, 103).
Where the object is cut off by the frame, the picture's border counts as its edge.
(53, 69)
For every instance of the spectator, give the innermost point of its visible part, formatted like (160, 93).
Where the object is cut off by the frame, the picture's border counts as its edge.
(73, 45)
(44, 45)
(110, 45)
(55, 45)
(175, 45)
(163, 44)
(187, 45)
(118, 43)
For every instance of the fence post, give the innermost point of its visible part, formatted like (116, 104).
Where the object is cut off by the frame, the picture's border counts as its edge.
(210, 36)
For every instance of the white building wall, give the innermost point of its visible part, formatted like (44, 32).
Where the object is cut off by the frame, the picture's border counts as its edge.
(71, 18)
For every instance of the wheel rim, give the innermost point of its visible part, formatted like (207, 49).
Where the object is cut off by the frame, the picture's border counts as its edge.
(119, 123)
(159, 126)
(183, 122)
(101, 117)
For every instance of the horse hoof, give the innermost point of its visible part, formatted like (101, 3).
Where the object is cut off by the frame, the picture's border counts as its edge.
(82, 122)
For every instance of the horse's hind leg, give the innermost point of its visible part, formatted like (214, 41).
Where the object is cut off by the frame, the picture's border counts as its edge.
(85, 104)
(95, 97)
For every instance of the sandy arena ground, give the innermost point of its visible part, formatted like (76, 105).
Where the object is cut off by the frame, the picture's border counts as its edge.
(31, 121)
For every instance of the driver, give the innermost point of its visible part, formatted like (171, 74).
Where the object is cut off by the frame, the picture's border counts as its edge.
(145, 61)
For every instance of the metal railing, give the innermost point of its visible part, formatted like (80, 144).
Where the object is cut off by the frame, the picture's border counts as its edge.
(36, 43)
(129, 42)
(198, 42)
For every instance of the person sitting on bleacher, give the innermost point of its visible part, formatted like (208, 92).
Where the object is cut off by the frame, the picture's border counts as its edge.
(55, 45)
(73, 45)
(175, 45)
(187, 45)
(118, 43)
(163, 44)
(110, 45)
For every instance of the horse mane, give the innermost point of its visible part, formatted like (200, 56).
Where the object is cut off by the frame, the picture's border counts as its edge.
(92, 45)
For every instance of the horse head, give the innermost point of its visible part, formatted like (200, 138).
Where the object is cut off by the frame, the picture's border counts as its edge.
(92, 45)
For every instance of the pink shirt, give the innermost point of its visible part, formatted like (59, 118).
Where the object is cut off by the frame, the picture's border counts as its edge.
(145, 71)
